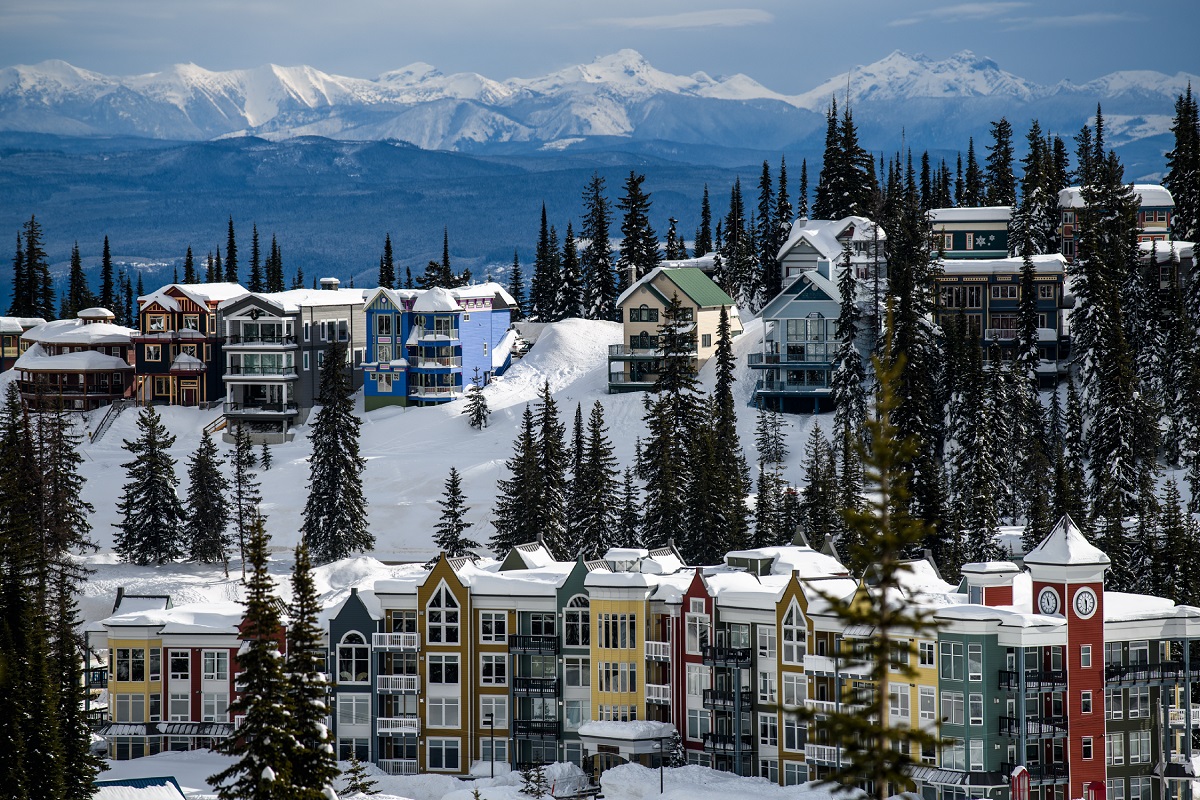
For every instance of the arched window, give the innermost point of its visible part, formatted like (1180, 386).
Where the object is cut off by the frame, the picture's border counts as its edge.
(578, 622)
(442, 619)
(353, 659)
(795, 634)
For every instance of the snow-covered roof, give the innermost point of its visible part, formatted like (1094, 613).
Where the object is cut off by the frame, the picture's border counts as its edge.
(691, 282)
(788, 559)
(705, 262)
(1066, 546)
(76, 331)
(1124, 607)
(36, 359)
(990, 568)
(533, 555)
(1163, 249)
(739, 589)
(481, 291)
(294, 299)
(625, 553)
(823, 234)
(200, 293)
(1047, 264)
(436, 299)
(206, 617)
(983, 214)
(138, 789)
(502, 351)
(19, 324)
(1149, 194)
(185, 361)
(96, 312)
(628, 731)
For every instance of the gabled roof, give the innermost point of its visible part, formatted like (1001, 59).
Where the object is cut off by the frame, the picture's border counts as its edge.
(162, 788)
(1149, 194)
(823, 234)
(971, 214)
(809, 285)
(199, 293)
(694, 284)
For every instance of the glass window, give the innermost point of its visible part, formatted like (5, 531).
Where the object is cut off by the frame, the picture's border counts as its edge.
(215, 665)
(443, 670)
(766, 687)
(794, 636)
(1114, 749)
(1085, 702)
(925, 654)
(698, 723)
(1085, 656)
(215, 706)
(353, 659)
(793, 732)
(154, 352)
(541, 624)
(975, 662)
(442, 623)
(794, 774)
(768, 730)
(354, 709)
(977, 755)
(577, 623)
(442, 712)
(443, 754)
(179, 707)
(354, 748)
(927, 698)
(795, 689)
(1086, 745)
(697, 631)
(976, 708)
(1139, 747)
(952, 708)
(155, 664)
(383, 324)
(766, 642)
(577, 712)
(494, 670)
(899, 700)
(952, 661)
(501, 754)
(578, 671)
(493, 627)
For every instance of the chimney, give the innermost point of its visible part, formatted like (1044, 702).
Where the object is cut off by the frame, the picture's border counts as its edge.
(120, 597)
(330, 284)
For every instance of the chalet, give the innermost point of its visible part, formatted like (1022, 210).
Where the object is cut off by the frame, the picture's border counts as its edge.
(77, 364)
(633, 364)
(177, 349)
(274, 348)
(963, 233)
(11, 330)
(1156, 211)
(812, 241)
(426, 346)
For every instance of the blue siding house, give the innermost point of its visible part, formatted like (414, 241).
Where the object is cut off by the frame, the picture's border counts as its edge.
(425, 345)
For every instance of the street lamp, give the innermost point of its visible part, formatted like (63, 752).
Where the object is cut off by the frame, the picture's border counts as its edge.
(490, 720)
(662, 757)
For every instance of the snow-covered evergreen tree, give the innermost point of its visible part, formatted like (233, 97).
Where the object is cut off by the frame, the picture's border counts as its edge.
(846, 385)
(570, 300)
(629, 517)
(596, 260)
(207, 520)
(477, 406)
(450, 533)
(513, 522)
(264, 456)
(819, 506)
(597, 492)
(358, 781)
(313, 762)
(639, 245)
(535, 783)
(246, 495)
(769, 439)
(262, 770)
(151, 526)
(335, 514)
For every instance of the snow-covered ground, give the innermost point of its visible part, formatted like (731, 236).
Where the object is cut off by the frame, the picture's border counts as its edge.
(409, 454)
(627, 782)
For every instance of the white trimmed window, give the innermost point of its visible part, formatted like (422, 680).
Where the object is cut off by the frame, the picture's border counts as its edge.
(354, 709)
(443, 670)
(766, 687)
(926, 654)
(795, 689)
(794, 635)
(442, 712)
(354, 659)
(493, 627)
(215, 707)
(577, 623)
(179, 707)
(927, 702)
(443, 755)
(494, 670)
(577, 671)
(179, 664)
(442, 619)
(698, 723)
(216, 665)
(793, 732)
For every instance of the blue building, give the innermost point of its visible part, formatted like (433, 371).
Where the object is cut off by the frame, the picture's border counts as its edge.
(425, 345)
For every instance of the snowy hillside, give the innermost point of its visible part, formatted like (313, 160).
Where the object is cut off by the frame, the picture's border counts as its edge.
(620, 94)
(409, 454)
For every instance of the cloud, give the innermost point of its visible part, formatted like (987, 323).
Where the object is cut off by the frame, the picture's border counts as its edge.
(1070, 20)
(716, 18)
(960, 12)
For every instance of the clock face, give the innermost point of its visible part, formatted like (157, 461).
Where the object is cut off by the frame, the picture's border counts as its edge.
(1085, 603)
(1048, 601)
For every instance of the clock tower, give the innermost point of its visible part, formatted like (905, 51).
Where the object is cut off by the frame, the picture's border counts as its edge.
(1067, 572)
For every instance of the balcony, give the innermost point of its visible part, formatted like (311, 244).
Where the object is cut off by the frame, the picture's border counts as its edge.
(727, 742)
(1177, 717)
(1163, 672)
(398, 726)
(535, 645)
(827, 666)
(435, 392)
(438, 335)
(824, 754)
(722, 656)
(251, 371)
(619, 381)
(396, 641)
(720, 699)
(790, 387)
(541, 728)
(1000, 334)
(398, 766)
(260, 409)
(658, 651)
(798, 355)
(1035, 728)
(535, 686)
(238, 340)
(625, 352)
(658, 693)
(1035, 679)
(1041, 773)
(398, 684)
(437, 362)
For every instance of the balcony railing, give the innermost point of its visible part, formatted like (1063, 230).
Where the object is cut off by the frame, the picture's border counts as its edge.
(535, 727)
(406, 684)
(435, 335)
(1035, 679)
(658, 693)
(398, 766)
(240, 340)
(535, 685)
(261, 408)
(1163, 672)
(824, 754)
(626, 351)
(644, 380)
(727, 741)
(1179, 716)
(1000, 334)
(271, 370)
(789, 387)
(658, 651)
(396, 641)
(438, 362)
(722, 656)
(442, 392)
(537, 645)
(1040, 728)
(722, 699)
(1041, 773)
(809, 354)
(828, 666)
(398, 725)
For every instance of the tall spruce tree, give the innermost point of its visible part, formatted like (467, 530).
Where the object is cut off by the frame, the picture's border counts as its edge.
(78, 296)
(275, 268)
(335, 514)
(704, 234)
(207, 523)
(596, 260)
(819, 498)
(151, 526)
(231, 255)
(1183, 167)
(313, 762)
(108, 295)
(477, 406)
(513, 519)
(246, 492)
(516, 287)
(262, 770)
(676, 249)
(629, 518)
(802, 195)
(189, 267)
(876, 753)
(769, 278)
(1001, 183)
(638, 253)
(450, 533)
(543, 293)
(570, 300)
(975, 186)
(596, 489)
(551, 511)
(846, 386)
(258, 281)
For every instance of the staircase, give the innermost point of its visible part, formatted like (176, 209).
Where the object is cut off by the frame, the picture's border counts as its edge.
(106, 421)
(217, 424)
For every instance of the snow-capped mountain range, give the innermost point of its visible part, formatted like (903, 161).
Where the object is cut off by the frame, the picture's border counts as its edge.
(618, 95)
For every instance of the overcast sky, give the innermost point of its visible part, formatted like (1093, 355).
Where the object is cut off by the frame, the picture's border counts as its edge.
(788, 45)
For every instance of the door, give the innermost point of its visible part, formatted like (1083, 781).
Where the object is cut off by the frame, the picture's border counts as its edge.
(188, 395)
